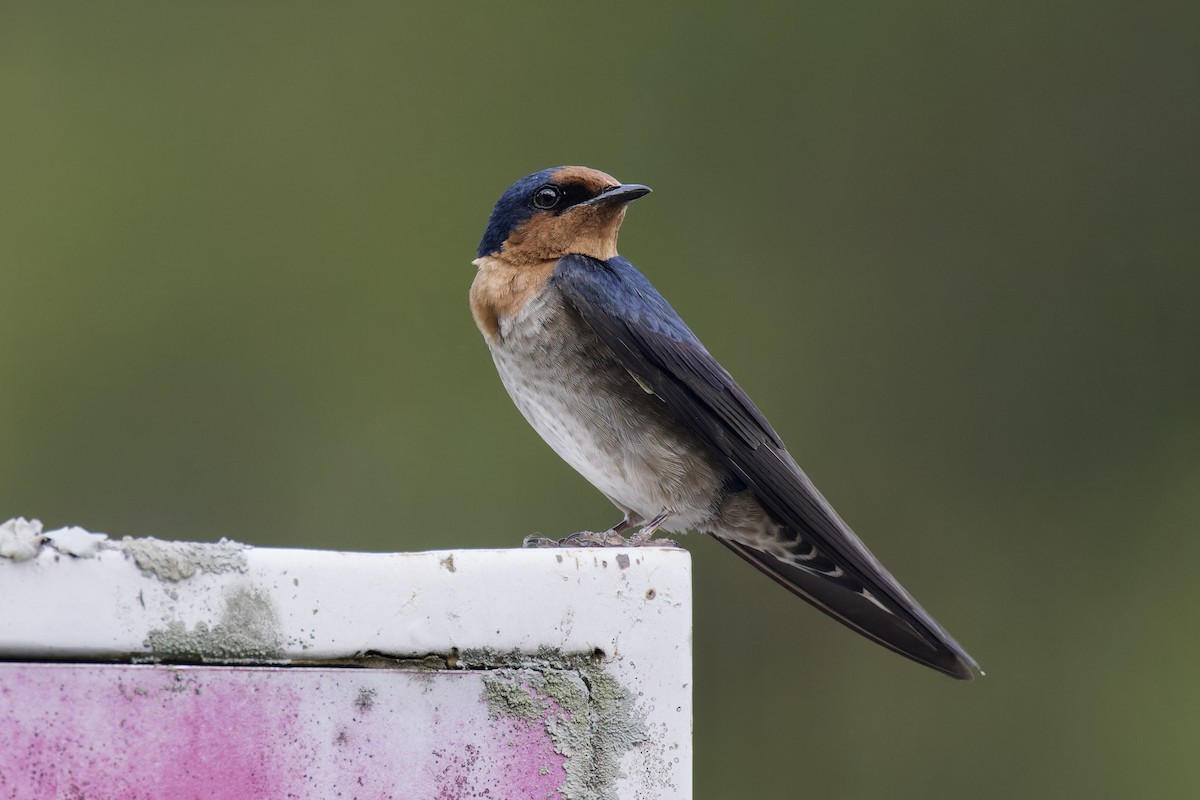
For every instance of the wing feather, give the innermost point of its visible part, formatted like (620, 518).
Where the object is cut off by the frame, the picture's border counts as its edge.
(629, 315)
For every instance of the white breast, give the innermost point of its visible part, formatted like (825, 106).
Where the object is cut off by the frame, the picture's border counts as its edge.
(593, 414)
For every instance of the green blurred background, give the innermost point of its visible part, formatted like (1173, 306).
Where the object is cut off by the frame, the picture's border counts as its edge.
(951, 249)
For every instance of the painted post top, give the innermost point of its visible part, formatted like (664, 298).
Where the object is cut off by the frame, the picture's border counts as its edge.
(557, 673)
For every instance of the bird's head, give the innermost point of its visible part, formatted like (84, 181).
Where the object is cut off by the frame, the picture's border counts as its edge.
(551, 213)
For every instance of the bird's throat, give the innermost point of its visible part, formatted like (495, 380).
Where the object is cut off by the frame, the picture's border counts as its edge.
(501, 289)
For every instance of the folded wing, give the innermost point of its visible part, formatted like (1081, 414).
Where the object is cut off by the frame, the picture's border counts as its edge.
(828, 567)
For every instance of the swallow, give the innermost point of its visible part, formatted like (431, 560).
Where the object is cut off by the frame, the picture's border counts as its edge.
(617, 384)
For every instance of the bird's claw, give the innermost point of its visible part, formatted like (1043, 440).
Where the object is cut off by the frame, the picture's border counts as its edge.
(594, 539)
(534, 540)
(597, 539)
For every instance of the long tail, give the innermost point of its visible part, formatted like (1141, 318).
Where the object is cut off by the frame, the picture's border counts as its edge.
(908, 630)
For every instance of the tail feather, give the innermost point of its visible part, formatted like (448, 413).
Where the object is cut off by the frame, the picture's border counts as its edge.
(914, 635)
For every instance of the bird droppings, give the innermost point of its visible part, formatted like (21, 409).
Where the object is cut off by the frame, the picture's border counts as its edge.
(20, 538)
(248, 631)
(590, 717)
(622, 561)
(177, 561)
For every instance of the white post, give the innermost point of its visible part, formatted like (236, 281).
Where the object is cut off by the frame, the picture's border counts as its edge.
(146, 668)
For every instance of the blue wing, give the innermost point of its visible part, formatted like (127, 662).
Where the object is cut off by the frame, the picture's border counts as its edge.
(837, 573)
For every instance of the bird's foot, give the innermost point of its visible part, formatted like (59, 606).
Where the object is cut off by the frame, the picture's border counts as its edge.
(611, 537)
(650, 542)
(533, 540)
(645, 536)
(600, 539)
(579, 539)
(638, 540)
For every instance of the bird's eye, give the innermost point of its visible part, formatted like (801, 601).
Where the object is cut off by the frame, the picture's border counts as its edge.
(547, 196)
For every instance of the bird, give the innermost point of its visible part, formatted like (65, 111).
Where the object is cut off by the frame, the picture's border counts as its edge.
(610, 376)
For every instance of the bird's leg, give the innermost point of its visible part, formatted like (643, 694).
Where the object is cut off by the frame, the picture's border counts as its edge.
(644, 536)
(630, 520)
(609, 538)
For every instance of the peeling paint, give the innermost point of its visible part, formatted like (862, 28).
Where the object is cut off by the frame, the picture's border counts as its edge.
(22, 539)
(177, 561)
(590, 717)
(75, 541)
(249, 631)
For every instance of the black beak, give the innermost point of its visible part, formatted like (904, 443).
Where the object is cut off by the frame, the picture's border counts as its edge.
(619, 195)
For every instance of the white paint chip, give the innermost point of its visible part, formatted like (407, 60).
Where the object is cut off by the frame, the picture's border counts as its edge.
(75, 541)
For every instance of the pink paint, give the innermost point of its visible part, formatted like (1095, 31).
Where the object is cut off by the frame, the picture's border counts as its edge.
(530, 745)
(224, 733)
